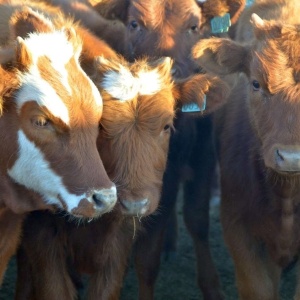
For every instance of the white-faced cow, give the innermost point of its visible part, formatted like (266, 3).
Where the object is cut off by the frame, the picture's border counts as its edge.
(259, 144)
(133, 142)
(48, 129)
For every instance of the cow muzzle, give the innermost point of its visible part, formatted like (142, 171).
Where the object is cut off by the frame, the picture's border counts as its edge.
(135, 208)
(97, 203)
(284, 159)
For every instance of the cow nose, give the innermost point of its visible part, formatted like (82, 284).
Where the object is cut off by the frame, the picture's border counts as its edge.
(287, 160)
(135, 208)
(104, 199)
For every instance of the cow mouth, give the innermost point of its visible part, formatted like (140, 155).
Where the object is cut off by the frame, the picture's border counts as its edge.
(285, 173)
(137, 208)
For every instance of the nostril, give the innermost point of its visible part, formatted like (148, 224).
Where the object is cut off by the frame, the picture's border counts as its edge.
(279, 155)
(98, 199)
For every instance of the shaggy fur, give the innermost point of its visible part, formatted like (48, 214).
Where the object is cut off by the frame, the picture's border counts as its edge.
(258, 145)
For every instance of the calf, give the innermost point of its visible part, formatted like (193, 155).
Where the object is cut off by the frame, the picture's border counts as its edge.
(133, 142)
(48, 128)
(258, 144)
(171, 28)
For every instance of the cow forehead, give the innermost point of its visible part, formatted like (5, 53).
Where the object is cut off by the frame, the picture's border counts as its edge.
(124, 86)
(277, 61)
(54, 78)
(158, 13)
(54, 45)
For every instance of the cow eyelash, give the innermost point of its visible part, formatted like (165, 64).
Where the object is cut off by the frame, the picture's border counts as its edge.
(41, 122)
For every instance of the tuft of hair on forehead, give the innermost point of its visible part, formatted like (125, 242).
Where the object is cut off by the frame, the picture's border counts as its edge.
(58, 46)
(124, 82)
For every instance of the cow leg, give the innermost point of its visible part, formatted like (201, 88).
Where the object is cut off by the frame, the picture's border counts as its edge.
(257, 276)
(171, 236)
(11, 227)
(297, 293)
(197, 194)
(24, 287)
(150, 242)
(43, 252)
(107, 281)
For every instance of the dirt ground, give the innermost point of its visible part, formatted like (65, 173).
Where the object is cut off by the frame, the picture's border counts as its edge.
(177, 277)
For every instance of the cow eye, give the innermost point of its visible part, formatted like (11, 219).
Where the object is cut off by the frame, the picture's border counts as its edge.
(194, 28)
(40, 121)
(167, 127)
(256, 85)
(133, 24)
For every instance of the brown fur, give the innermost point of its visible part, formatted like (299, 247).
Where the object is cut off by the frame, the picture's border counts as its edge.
(15, 59)
(133, 144)
(257, 131)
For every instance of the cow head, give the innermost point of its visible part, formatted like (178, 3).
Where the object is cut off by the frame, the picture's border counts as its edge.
(168, 27)
(50, 120)
(272, 65)
(140, 100)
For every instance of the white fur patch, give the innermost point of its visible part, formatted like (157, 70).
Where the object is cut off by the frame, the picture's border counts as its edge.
(32, 170)
(59, 50)
(124, 86)
(54, 45)
(35, 88)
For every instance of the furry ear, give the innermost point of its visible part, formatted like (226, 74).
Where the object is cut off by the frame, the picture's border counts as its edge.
(26, 20)
(202, 92)
(263, 28)
(23, 56)
(221, 56)
(112, 9)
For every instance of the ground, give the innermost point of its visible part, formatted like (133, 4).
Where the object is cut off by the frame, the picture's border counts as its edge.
(177, 277)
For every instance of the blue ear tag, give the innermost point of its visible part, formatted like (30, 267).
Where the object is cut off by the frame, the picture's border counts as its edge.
(249, 2)
(193, 107)
(220, 24)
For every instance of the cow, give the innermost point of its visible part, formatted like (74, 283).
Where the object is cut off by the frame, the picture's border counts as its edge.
(258, 144)
(171, 28)
(133, 143)
(48, 127)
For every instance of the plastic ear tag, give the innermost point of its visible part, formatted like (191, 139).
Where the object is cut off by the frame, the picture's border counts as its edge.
(193, 107)
(220, 24)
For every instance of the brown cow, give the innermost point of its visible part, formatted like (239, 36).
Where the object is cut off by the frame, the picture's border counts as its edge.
(171, 28)
(48, 130)
(133, 143)
(259, 144)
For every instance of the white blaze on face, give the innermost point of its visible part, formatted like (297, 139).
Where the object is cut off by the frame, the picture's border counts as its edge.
(35, 88)
(123, 86)
(32, 170)
(59, 50)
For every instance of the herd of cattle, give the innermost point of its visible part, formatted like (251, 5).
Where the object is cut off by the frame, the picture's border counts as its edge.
(108, 106)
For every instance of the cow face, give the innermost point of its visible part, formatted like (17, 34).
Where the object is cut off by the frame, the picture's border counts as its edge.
(50, 123)
(272, 65)
(168, 27)
(140, 100)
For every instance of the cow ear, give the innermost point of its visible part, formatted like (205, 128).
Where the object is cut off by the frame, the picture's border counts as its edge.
(263, 28)
(112, 9)
(23, 55)
(163, 65)
(201, 93)
(26, 20)
(221, 56)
